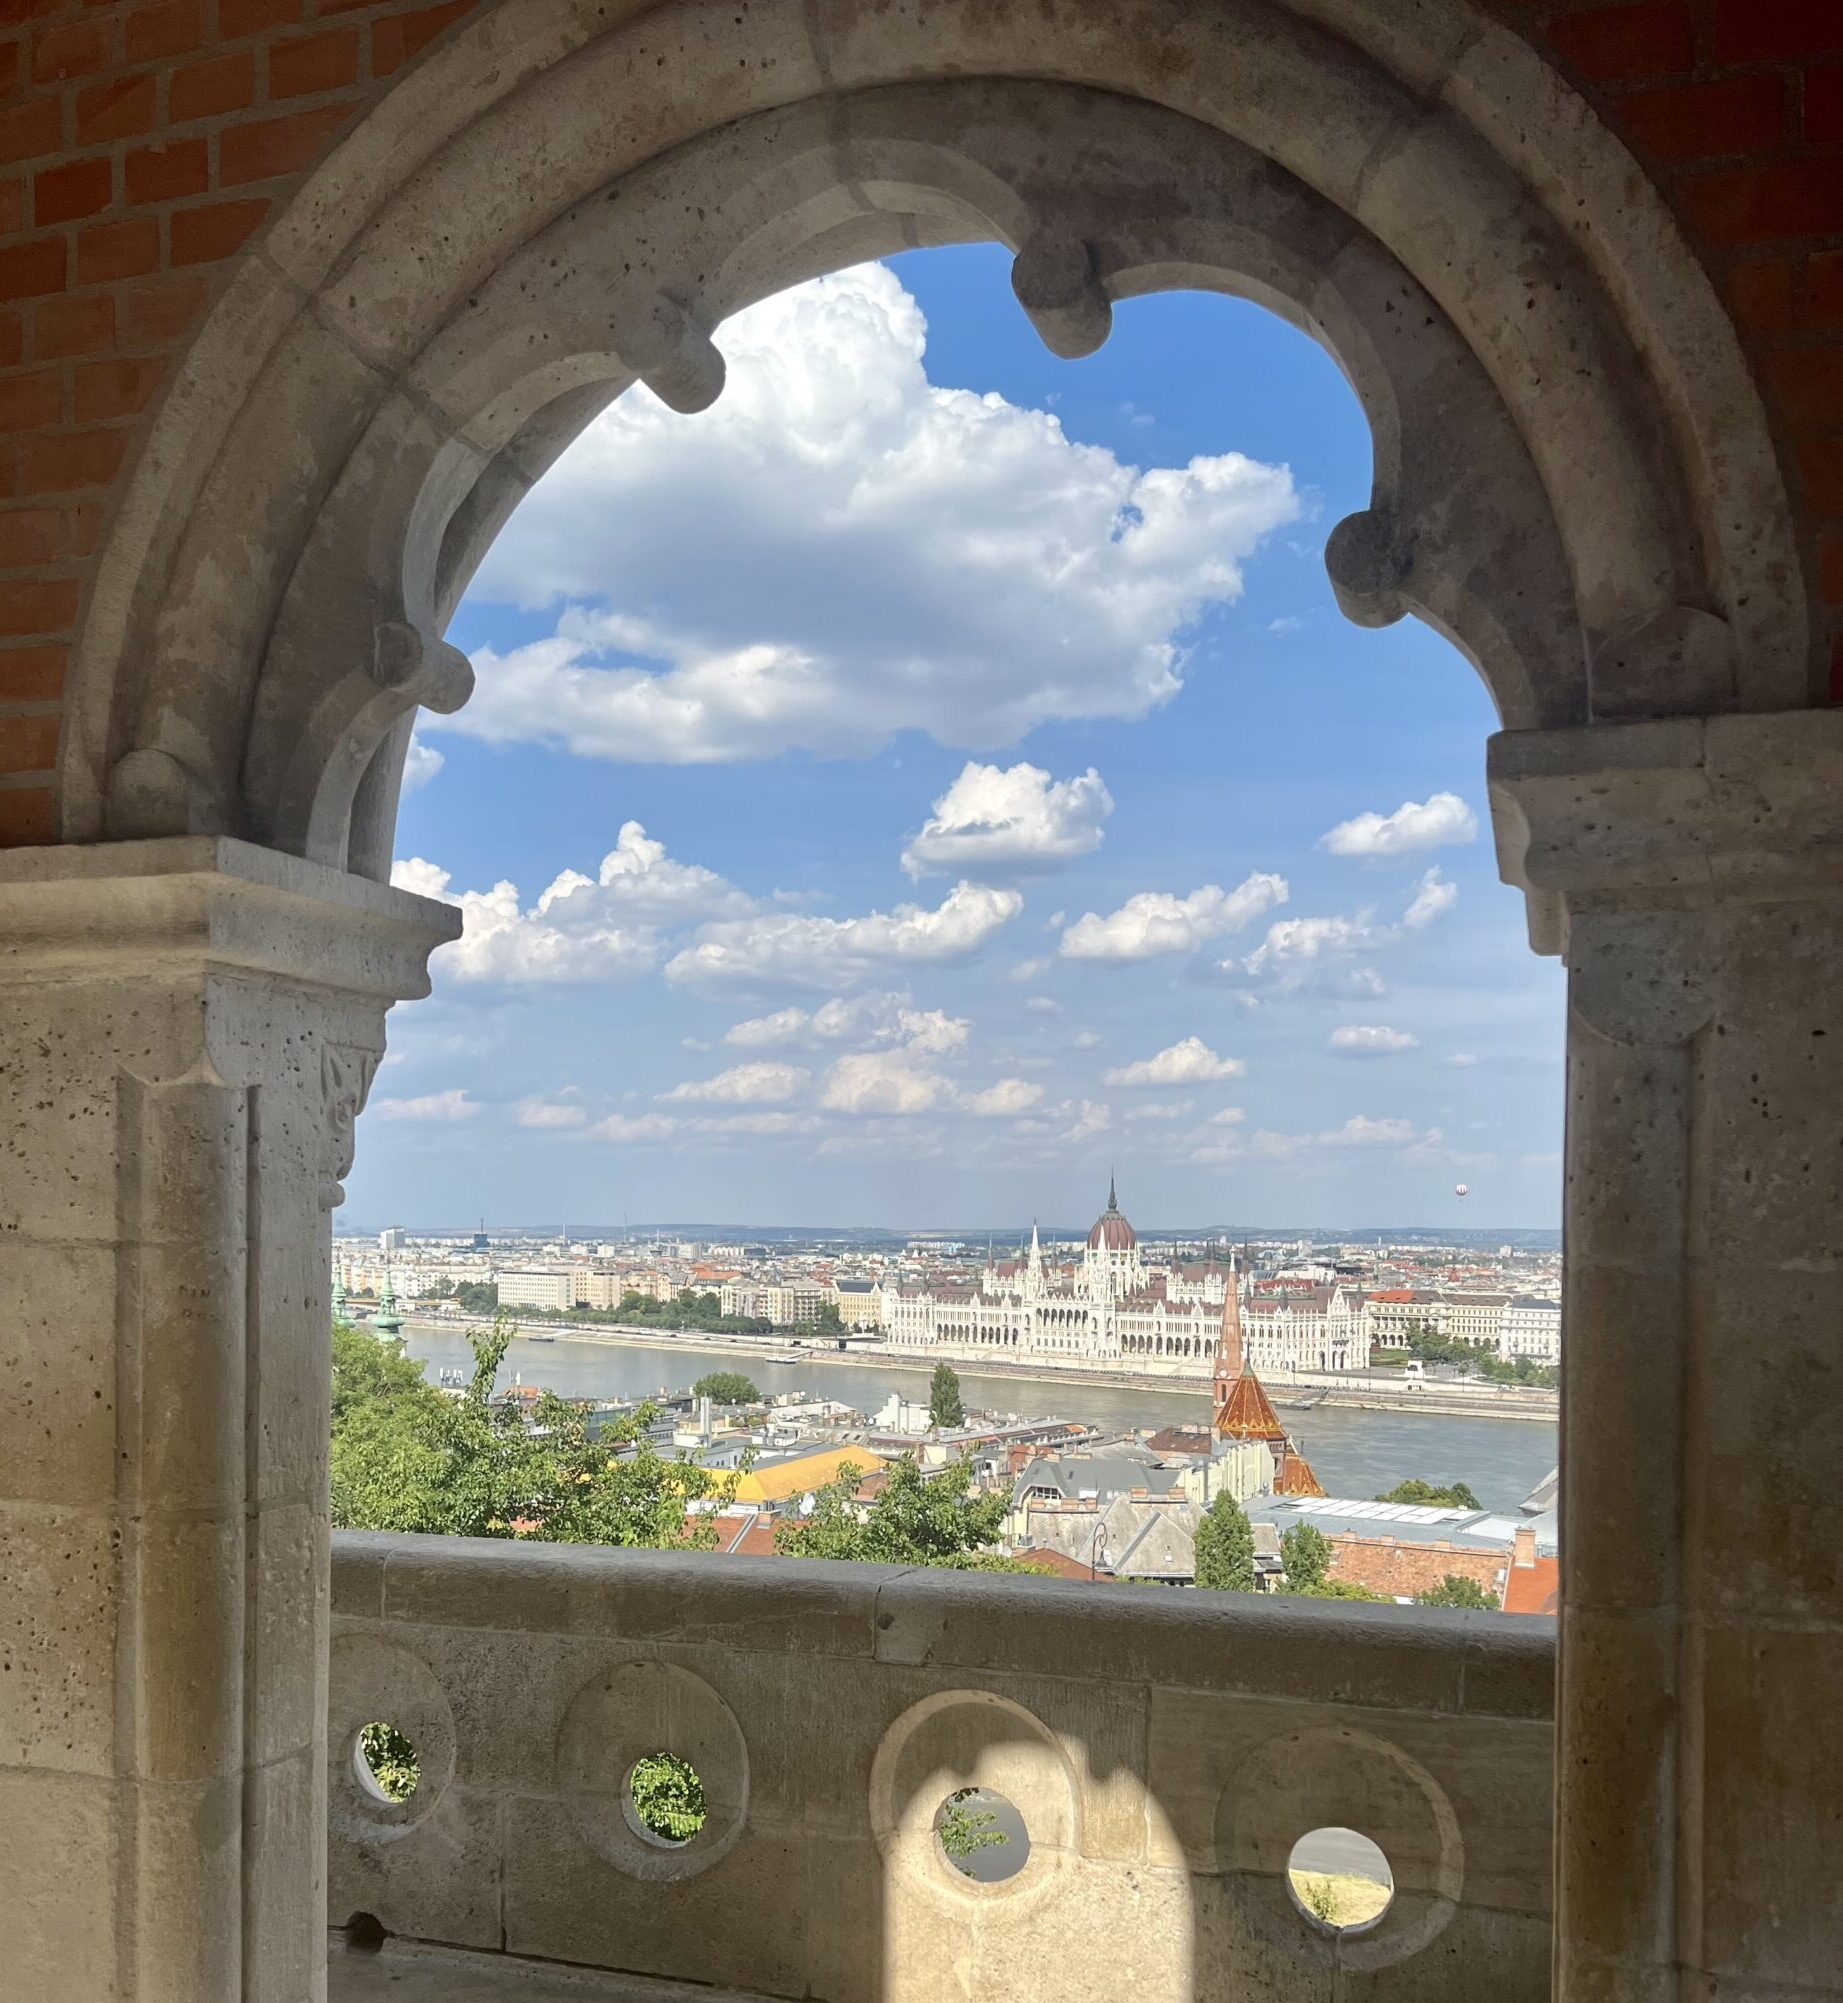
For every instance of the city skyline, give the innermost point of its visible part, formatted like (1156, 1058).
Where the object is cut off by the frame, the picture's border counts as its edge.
(935, 774)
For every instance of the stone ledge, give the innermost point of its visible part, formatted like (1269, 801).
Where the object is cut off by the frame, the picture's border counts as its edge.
(1408, 1659)
(1673, 814)
(145, 908)
(406, 1972)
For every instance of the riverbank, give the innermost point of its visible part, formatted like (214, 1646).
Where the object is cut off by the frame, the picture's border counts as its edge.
(1303, 1391)
(1356, 1453)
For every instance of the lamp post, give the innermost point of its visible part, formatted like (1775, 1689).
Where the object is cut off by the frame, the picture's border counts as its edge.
(1096, 1544)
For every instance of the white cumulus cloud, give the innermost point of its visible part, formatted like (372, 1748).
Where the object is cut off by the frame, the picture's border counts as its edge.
(581, 928)
(839, 550)
(421, 762)
(1155, 921)
(883, 1081)
(1005, 1100)
(1372, 1040)
(634, 1127)
(438, 1106)
(549, 1115)
(997, 822)
(1361, 1132)
(797, 948)
(1435, 894)
(764, 1084)
(1444, 821)
(1191, 1062)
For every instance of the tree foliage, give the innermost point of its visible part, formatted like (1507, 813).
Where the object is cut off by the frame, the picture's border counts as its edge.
(1305, 1552)
(963, 1830)
(1225, 1547)
(917, 1519)
(1418, 1339)
(1339, 1589)
(406, 1456)
(1455, 1495)
(391, 1759)
(726, 1387)
(1454, 1591)
(686, 1309)
(668, 1796)
(946, 1408)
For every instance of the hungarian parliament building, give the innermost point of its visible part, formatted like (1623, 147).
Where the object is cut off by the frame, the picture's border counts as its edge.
(1112, 1310)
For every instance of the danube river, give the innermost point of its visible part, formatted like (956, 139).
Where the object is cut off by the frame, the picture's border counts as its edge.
(1356, 1453)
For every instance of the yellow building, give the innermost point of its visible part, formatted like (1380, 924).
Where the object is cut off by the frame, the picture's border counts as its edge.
(781, 1481)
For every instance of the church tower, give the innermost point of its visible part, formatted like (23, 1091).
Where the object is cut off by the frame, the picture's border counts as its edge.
(1243, 1409)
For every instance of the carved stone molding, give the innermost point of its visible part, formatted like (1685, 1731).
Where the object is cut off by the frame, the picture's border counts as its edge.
(346, 1072)
(1677, 816)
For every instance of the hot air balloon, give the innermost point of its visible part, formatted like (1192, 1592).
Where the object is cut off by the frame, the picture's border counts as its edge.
(1459, 1189)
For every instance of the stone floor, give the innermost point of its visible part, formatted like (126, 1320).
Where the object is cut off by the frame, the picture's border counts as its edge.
(400, 1972)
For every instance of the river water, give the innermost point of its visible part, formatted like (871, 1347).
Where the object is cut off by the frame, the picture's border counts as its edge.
(1355, 1453)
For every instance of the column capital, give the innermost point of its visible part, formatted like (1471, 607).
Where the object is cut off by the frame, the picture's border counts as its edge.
(204, 903)
(1677, 814)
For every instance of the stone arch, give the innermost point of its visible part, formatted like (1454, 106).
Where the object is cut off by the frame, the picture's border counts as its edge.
(1573, 475)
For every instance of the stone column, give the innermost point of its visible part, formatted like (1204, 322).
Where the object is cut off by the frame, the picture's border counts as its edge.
(187, 1032)
(1691, 871)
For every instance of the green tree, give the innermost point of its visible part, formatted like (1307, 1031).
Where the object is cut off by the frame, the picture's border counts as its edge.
(686, 1309)
(1225, 1547)
(406, 1456)
(1455, 1495)
(391, 1759)
(831, 1322)
(917, 1519)
(964, 1830)
(946, 1408)
(478, 1297)
(668, 1796)
(1305, 1552)
(1339, 1589)
(1454, 1591)
(726, 1387)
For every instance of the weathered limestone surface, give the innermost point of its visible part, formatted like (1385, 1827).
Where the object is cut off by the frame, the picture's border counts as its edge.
(1693, 874)
(1165, 1750)
(187, 1029)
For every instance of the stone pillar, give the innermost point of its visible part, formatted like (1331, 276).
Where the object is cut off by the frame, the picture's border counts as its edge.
(187, 1032)
(1691, 871)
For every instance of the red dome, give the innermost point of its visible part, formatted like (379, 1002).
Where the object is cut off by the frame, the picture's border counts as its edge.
(1112, 1233)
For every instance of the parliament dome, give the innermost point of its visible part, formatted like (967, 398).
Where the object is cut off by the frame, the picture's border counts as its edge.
(1111, 1232)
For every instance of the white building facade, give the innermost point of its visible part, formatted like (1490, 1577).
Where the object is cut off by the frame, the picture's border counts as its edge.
(1531, 1328)
(1112, 1311)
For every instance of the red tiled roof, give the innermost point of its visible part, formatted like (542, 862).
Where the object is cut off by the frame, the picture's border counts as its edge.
(1057, 1565)
(1295, 1476)
(1247, 1412)
(1534, 1589)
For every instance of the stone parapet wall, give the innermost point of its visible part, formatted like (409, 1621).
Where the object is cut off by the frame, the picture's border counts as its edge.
(1165, 1750)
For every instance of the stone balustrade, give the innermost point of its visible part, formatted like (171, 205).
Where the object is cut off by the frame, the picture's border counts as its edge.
(1164, 1749)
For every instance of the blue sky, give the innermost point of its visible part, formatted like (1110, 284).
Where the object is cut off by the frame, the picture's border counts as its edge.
(938, 774)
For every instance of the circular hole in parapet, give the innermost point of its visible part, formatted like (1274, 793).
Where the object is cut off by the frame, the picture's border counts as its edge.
(385, 1763)
(365, 1934)
(982, 1835)
(664, 1800)
(1340, 1880)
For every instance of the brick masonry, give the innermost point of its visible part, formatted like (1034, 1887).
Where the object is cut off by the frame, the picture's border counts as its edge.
(1401, 1570)
(143, 143)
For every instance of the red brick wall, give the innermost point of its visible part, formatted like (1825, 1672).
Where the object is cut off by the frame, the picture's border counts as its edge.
(1402, 1570)
(140, 145)
(142, 142)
